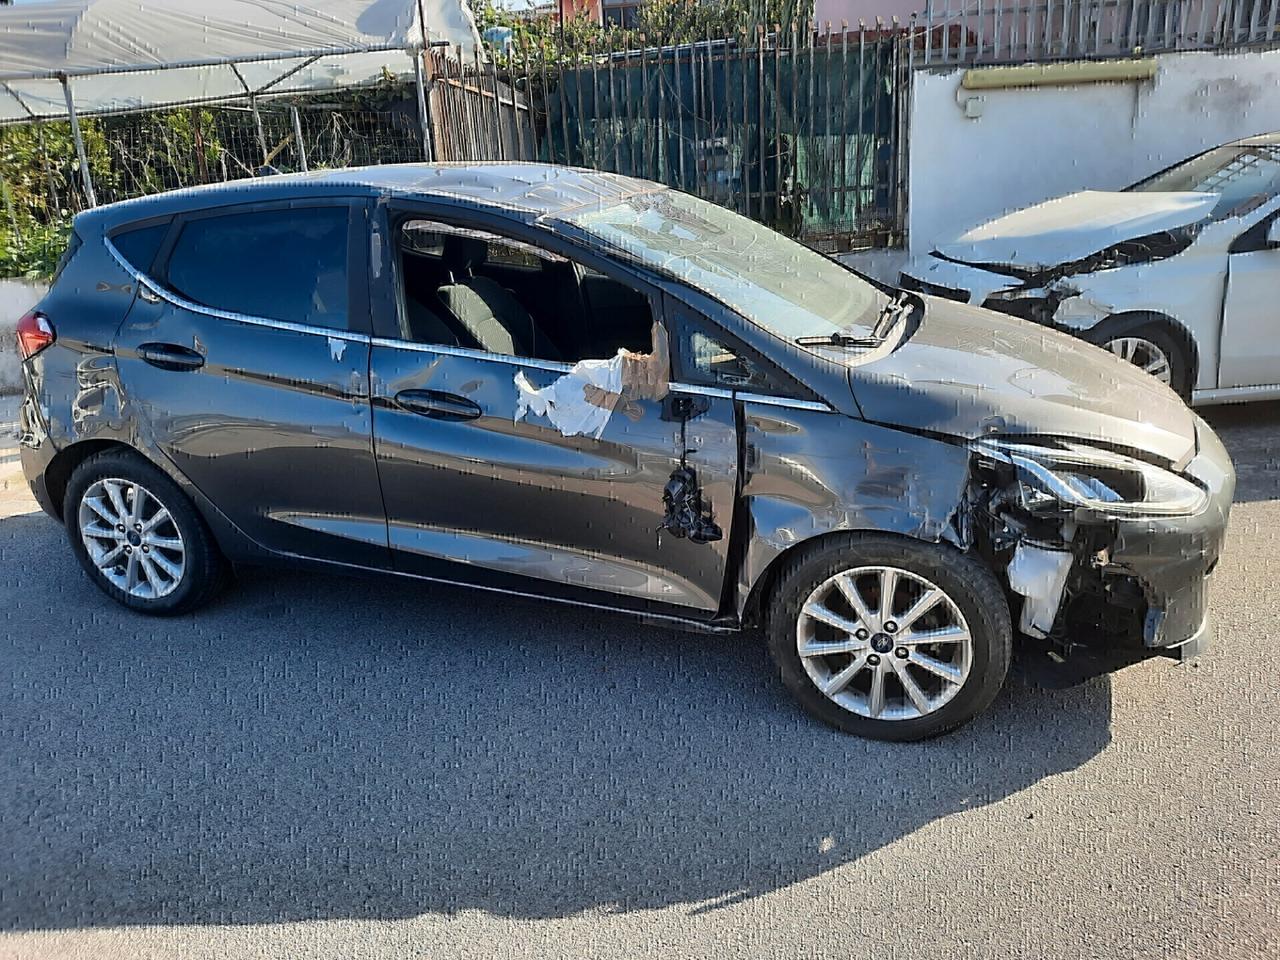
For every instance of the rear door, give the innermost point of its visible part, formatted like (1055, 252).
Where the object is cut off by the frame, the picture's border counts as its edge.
(246, 353)
(475, 494)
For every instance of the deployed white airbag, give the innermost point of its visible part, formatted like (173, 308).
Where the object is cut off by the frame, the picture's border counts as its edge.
(581, 402)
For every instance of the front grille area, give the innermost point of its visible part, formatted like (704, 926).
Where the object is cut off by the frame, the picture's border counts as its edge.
(908, 282)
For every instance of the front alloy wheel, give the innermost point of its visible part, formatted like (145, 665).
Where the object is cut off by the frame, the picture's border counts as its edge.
(890, 638)
(1155, 347)
(884, 643)
(1143, 353)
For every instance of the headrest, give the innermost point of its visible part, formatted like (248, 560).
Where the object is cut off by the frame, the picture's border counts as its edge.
(464, 253)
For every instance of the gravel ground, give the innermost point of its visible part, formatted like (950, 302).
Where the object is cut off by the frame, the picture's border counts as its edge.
(349, 768)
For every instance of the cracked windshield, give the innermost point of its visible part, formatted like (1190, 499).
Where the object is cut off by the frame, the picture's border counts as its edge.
(771, 280)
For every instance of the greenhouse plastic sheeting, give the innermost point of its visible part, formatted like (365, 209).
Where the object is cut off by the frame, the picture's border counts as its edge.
(134, 54)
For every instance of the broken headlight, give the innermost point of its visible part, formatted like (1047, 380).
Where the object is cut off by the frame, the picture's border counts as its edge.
(1074, 476)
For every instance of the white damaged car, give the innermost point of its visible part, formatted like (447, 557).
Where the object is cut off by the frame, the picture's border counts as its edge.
(1179, 273)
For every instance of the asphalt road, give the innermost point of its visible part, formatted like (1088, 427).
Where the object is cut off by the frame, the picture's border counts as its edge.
(349, 768)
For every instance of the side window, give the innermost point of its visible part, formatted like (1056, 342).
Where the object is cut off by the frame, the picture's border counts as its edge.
(1257, 237)
(288, 265)
(709, 361)
(140, 246)
(507, 296)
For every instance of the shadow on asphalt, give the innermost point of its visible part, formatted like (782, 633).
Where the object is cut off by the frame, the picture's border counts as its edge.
(1251, 434)
(313, 747)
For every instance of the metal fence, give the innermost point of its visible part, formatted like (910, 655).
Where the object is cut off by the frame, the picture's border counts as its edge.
(139, 154)
(797, 127)
(986, 31)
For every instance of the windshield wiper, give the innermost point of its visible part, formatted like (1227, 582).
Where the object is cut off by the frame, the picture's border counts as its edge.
(893, 312)
(892, 315)
(838, 339)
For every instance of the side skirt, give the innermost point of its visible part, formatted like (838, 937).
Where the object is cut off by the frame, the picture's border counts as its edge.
(723, 625)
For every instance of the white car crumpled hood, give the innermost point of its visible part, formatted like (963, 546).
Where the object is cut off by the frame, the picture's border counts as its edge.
(1071, 227)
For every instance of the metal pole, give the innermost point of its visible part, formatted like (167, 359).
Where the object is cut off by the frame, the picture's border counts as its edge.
(297, 139)
(262, 135)
(424, 118)
(89, 195)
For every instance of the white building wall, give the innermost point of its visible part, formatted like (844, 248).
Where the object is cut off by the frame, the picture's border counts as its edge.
(852, 11)
(1034, 143)
(16, 298)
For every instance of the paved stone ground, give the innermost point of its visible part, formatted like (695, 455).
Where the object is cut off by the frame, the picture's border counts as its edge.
(349, 768)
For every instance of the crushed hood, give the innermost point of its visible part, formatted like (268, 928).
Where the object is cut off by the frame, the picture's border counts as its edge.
(968, 372)
(1075, 226)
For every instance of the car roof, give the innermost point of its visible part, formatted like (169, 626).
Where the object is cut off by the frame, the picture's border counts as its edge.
(527, 191)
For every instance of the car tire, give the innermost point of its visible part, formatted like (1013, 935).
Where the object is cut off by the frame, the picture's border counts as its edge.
(1149, 346)
(157, 556)
(954, 680)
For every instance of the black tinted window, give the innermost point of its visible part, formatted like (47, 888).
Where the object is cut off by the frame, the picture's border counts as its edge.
(281, 264)
(139, 247)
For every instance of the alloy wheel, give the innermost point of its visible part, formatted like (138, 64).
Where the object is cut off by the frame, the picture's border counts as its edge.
(132, 538)
(1143, 353)
(884, 643)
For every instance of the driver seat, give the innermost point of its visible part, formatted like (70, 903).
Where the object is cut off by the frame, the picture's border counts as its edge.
(488, 311)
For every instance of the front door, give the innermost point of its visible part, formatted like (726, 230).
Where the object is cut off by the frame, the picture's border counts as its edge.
(1250, 318)
(474, 492)
(245, 354)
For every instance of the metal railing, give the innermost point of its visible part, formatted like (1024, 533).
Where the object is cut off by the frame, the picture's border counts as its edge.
(799, 128)
(988, 31)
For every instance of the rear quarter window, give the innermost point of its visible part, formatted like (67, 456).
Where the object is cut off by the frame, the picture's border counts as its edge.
(288, 265)
(140, 246)
(73, 245)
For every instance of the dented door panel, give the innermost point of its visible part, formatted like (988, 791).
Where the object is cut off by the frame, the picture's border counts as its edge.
(809, 473)
(516, 501)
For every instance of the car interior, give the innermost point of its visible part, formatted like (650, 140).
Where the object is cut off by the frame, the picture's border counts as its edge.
(473, 290)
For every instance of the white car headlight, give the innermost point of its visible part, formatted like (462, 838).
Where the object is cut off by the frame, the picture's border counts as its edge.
(1074, 475)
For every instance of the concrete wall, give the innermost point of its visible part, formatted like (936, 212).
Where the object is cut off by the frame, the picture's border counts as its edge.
(853, 11)
(16, 298)
(1031, 144)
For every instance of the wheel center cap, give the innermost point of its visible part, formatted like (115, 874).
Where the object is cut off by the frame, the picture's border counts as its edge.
(881, 643)
(135, 540)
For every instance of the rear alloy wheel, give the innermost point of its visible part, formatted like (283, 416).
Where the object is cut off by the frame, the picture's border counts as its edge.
(138, 537)
(132, 538)
(890, 639)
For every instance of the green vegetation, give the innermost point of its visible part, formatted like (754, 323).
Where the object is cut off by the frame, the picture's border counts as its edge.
(128, 156)
(657, 22)
(138, 154)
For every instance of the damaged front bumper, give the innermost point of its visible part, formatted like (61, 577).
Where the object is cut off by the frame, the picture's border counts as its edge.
(1102, 592)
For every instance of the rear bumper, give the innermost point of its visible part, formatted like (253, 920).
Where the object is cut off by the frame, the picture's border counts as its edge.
(36, 451)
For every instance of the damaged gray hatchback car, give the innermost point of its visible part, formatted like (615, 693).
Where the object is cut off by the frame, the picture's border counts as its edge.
(594, 389)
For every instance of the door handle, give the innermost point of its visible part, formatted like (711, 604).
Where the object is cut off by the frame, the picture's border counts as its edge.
(438, 405)
(170, 356)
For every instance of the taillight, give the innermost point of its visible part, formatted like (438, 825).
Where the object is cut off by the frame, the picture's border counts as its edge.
(35, 332)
